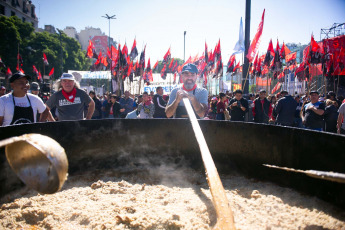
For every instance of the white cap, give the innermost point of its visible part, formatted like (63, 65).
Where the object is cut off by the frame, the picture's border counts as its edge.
(67, 76)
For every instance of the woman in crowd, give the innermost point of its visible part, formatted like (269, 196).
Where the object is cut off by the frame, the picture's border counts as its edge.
(146, 108)
(97, 114)
(212, 108)
(221, 107)
(331, 116)
(113, 108)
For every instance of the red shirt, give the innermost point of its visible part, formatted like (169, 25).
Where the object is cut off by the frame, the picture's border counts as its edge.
(220, 107)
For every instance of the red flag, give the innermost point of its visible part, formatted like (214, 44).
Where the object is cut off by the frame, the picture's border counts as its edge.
(167, 56)
(278, 85)
(256, 41)
(171, 63)
(290, 58)
(270, 54)
(45, 60)
(188, 61)
(148, 67)
(206, 53)
(342, 72)
(39, 77)
(255, 62)
(9, 72)
(314, 46)
(134, 50)
(231, 63)
(51, 73)
(130, 68)
(284, 51)
(237, 66)
(155, 66)
(90, 49)
(34, 69)
(281, 75)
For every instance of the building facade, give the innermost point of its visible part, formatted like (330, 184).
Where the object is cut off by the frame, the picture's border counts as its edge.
(23, 9)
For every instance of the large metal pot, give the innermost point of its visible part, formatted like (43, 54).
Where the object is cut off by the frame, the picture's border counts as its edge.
(245, 147)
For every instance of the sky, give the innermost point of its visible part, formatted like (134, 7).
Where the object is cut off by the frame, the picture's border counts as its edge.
(160, 24)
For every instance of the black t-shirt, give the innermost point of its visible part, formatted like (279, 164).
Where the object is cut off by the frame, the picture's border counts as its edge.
(313, 120)
(236, 113)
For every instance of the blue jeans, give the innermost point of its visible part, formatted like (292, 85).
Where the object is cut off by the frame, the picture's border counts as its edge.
(220, 116)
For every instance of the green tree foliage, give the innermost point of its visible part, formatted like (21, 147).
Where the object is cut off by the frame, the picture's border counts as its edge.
(160, 64)
(32, 45)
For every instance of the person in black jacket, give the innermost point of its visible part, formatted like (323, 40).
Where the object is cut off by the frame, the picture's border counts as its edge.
(97, 114)
(331, 116)
(262, 110)
(238, 107)
(113, 108)
(285, 109)
(159, 103)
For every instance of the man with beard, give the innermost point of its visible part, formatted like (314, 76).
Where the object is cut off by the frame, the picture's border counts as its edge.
(20, 107)
(189, 89)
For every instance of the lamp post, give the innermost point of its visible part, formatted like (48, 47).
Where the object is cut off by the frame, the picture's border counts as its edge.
(60, 32)
(184, 46)
(111, 53)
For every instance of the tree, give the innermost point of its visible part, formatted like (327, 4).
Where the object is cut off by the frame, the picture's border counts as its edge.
(32, 45)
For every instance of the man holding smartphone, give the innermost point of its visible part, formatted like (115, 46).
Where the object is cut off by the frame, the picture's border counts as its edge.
(238, 107)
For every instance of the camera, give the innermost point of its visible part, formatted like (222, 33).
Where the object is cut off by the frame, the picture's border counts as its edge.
(238, 103)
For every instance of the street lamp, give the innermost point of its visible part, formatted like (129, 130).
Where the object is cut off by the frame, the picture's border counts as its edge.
(111, 53)
(60, 32)
(184, 47)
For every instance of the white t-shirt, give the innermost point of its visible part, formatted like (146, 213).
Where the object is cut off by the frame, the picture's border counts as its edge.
(7, 106)
(342, 111)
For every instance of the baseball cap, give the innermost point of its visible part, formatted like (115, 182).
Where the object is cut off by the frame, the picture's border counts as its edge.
(262, 91)
(284, 91)
(19, 75)
(214, 98)
(190, 68)
(314, 91)
(67, 76)
(2, 88)
(34, 86)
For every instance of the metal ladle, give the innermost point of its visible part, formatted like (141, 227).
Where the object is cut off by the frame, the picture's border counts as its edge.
(39, 161)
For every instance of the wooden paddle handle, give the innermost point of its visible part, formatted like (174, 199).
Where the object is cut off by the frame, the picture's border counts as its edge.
(225, 219)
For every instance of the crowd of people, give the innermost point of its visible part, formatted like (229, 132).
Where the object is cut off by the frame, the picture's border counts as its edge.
(69, 102)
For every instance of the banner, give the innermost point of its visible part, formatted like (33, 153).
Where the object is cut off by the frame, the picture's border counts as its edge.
(262, 81)
(90, 75)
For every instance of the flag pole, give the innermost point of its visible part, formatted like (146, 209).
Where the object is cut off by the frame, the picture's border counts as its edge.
(246, 76)
(338, 85)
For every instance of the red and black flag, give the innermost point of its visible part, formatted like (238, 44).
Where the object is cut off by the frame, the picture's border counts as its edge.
(167, 57)
(45, 60)
(34, 70)
(8, 72)
(39, 77)
(277, 62)
(164, 72)
(51, 73)
(315, 52)
(231, 64)
(171, 65)
(134, 50)
(217, 52)
(255, 65)
(124, 56)
(19, 62)
(290, 58)
(284, 51)
(269, 55)
(142, 59)
(206, 53)
(254, 46)
(148, 67)
(155, 66)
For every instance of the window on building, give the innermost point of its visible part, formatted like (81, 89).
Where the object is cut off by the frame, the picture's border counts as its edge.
(23, 19)
(13, 13)
(14, 3)
(2, 10)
